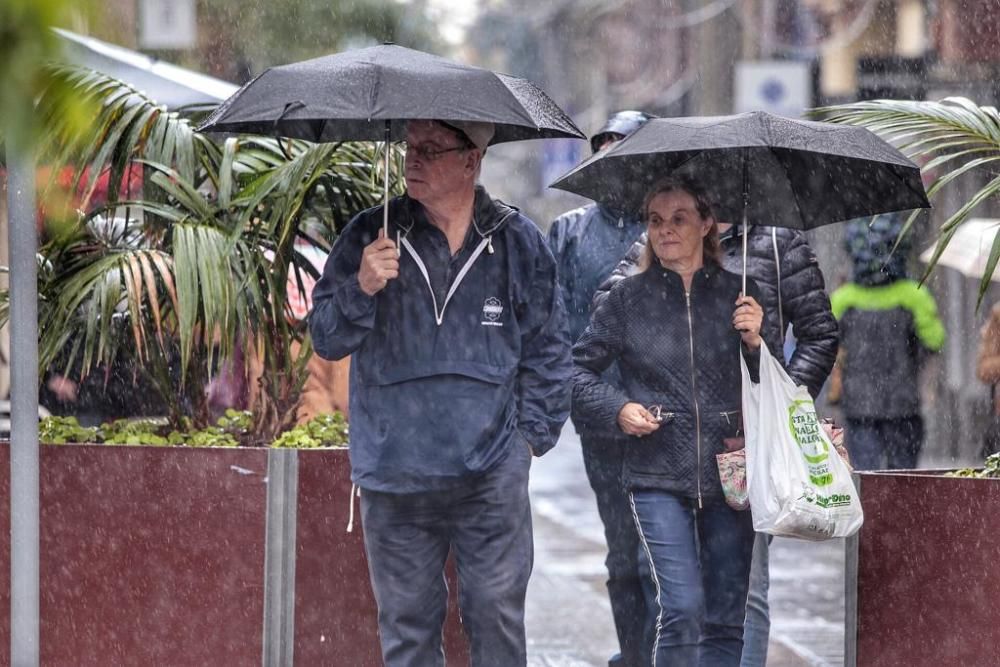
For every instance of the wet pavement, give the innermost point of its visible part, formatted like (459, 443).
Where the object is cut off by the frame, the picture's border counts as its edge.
(568, 615)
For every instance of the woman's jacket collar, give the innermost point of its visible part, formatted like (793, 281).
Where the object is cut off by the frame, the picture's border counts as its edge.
(664, 275)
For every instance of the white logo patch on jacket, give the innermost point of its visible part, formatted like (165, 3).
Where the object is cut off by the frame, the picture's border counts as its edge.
(492, 310)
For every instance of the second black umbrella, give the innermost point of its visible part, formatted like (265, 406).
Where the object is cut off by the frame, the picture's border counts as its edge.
(759, 167)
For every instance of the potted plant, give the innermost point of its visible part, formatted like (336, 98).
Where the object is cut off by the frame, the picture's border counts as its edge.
(164, 542)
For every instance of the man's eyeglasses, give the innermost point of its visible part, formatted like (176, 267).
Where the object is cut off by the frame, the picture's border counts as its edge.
(430, 154)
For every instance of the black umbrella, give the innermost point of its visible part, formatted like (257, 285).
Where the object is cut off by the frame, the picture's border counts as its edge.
(756, 166)
(369, 94)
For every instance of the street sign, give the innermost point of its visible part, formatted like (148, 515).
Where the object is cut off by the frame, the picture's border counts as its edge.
(781, 87)
(558, 157)
(167, 24)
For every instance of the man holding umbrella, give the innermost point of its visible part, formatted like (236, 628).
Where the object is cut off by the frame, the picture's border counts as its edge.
(460, 374)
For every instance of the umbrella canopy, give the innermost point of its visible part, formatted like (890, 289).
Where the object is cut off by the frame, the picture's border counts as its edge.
(969, 249)
(789, 173)
(363, 94)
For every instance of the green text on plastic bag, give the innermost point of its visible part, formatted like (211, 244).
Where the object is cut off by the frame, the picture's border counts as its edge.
(805, 428)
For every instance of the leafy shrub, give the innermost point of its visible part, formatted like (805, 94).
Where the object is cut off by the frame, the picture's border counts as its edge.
(324, 430)
(132, 432)
(60, 430)
(210, 436)
(991, 468)
(230, 430)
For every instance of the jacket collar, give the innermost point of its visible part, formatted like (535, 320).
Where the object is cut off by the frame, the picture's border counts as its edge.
(663, 275)
(489, 215)
(612, 214)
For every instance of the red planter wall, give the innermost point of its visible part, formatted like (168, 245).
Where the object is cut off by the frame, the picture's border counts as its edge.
(927, 592)
(149, 556)
(155, 556)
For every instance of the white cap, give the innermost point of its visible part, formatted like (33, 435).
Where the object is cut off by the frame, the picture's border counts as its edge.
(478, 133)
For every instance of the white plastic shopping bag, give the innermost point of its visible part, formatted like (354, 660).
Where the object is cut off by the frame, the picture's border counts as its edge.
(797, 484)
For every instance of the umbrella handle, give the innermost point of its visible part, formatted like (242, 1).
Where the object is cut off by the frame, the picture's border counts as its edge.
(745, 232)
(746, 205)
(385, 183)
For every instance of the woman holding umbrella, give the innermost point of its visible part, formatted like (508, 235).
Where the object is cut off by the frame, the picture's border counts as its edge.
(676, 329)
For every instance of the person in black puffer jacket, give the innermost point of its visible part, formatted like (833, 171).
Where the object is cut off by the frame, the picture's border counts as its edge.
(670, 328)
(801, 302)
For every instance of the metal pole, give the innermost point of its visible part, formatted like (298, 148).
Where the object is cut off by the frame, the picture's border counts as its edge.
(24, 514)
(279, 558)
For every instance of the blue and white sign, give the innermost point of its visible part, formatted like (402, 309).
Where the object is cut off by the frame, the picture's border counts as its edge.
(780, 87)
(168, 24)
(558, 157)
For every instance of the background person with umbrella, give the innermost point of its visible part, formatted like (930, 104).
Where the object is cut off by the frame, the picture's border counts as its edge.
(587, 243)
(988, 371)
(674, 330)
(770, 171)
(460, 373)
(889, 324)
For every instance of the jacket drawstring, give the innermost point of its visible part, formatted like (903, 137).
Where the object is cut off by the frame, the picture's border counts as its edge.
(355, 490)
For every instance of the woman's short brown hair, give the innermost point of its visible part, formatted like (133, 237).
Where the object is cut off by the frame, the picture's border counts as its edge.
(703, 206)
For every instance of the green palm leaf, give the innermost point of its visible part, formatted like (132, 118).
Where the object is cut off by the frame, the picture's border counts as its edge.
(955, 132)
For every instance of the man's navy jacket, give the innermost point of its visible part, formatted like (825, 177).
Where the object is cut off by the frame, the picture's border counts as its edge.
(454, 365)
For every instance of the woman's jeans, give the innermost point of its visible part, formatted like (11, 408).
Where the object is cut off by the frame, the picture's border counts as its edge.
(700, 562)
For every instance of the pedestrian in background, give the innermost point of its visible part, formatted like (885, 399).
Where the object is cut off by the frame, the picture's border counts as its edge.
(588, 243)
(888, 325)
(988, 371)
(675, 329)
(793, 294)
(460, 374)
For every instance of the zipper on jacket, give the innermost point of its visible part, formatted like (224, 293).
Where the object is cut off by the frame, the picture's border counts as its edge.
(694, 393)
(439, 314)
(485, 243)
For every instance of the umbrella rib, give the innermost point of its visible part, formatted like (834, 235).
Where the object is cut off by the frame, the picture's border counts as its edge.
(520, 105)
(795, 196)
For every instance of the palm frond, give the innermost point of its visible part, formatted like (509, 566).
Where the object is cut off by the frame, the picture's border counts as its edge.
(129, 126)
(954, 132)
(218, 227)
(104, 290)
